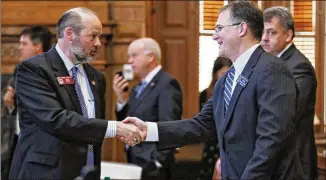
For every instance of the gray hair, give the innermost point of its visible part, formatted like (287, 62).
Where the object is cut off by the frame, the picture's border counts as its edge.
(281, 13)
(150, 46)
(72, 18)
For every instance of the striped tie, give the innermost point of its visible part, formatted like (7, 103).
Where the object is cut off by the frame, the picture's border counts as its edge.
(90, 152)
(228, 88)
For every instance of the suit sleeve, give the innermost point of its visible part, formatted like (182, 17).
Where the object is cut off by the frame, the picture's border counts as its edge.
(276, 96)
(198, 129)
(37, 102)
(306, 82)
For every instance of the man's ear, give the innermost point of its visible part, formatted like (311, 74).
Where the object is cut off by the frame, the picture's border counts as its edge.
(289, 35)
(39, 48)
(243, 29)
(69, 33)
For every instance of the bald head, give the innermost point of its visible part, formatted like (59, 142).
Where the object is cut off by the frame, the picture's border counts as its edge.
(149, 45)
(74, 18)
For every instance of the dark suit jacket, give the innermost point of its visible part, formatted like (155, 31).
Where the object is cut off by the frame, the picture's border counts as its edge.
(306, 81)
(54, 134)
(256, 136)
(161, 100)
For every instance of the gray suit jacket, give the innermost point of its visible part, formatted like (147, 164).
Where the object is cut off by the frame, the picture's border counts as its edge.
(161, 100)
(305, 78)
(54, 134)
(256, 135)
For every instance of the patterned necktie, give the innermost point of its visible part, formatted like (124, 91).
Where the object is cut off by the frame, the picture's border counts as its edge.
(90, 152)
(140, 88)
(228, 88)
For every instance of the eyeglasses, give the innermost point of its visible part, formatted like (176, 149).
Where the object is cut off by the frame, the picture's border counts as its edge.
(219, 27)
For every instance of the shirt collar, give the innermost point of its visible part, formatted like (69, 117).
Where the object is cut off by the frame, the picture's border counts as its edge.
(243, 59)
(69, 65)
(151, 75)
(286, 48)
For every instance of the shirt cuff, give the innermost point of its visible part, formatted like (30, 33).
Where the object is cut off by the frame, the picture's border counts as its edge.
(111, 131)
(120, 106)
(152, 132)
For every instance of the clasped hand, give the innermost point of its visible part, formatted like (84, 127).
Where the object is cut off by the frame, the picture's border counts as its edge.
(132, 131)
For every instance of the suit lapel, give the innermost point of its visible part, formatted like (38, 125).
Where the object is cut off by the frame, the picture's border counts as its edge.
(286, 55)
(247, 71)
(93, 83)
(60, 71)
(145, 92)
(219, 111)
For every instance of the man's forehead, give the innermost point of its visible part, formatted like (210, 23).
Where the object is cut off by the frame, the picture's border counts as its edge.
(223, 17)
(25, 37)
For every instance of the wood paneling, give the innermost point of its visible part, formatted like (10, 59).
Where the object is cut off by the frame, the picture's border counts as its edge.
(175, 24)
(46, 12)
(320, 60)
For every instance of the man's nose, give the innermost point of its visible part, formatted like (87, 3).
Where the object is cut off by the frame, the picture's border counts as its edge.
(97, 42)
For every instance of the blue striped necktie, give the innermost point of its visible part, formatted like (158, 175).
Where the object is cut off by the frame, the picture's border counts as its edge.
(90, 152)
(228, 87)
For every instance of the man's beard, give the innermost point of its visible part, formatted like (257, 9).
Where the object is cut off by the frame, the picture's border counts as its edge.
(79, 54)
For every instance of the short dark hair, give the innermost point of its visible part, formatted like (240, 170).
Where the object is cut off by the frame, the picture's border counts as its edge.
(281, 13)
(39, 34)
(248, 12)
(219, 63)
(72, 19)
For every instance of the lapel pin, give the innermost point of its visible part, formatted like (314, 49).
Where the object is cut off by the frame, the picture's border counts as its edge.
(152, 84)
(65, 80)
(242, 81)
(93, 82)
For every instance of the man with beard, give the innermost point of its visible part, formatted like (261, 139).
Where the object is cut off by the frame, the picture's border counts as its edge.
(61, 105)
(252, 109)
(277, 40)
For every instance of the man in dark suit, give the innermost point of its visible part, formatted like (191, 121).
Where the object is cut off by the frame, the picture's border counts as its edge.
(157, 97)
(61, 105)
(277, 40)
(252, 109)
(33, 40)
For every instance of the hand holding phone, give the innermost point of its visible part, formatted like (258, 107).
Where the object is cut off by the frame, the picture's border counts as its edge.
(120, 73)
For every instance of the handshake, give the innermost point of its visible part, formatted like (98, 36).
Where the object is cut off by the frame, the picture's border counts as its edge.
(131, 131)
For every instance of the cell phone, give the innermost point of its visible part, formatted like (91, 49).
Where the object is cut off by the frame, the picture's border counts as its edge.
(120, 73)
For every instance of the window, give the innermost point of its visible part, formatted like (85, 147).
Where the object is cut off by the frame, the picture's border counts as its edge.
(304, 15)
(208, 48)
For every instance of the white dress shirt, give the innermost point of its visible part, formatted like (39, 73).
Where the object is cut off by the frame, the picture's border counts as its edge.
(86, 91)
(286, 48)
(239, 64)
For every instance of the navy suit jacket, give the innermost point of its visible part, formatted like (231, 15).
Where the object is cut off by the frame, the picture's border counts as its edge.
(256, 135)
(161, 100)
(54, 134)
(305, 78)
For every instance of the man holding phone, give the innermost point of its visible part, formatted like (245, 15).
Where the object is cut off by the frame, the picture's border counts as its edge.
(158, 97)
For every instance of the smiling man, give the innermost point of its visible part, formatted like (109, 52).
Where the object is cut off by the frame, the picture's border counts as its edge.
(252, 109)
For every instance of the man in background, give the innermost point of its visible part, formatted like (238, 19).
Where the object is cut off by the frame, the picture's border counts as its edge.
(33, 40)
(158, 97)
(277, 40)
